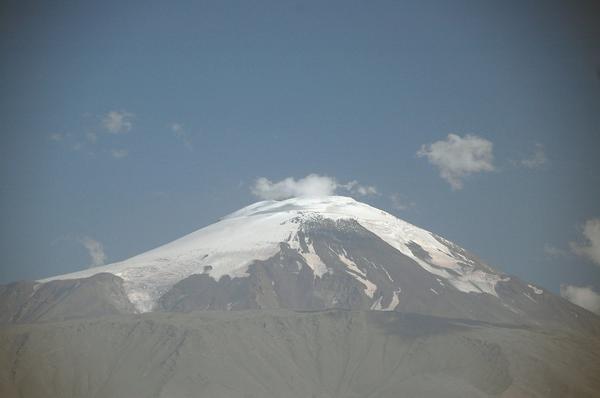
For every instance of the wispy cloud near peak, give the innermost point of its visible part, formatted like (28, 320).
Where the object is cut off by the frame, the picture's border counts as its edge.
(309, 186)
(582, 296)
(457, 157)
(95, 250)
(536, 160)
(117, 122)
(182, 135)
(590, 247)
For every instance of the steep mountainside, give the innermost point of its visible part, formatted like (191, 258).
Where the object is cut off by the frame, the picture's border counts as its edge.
(305, 254)
(312, 297)
(279, 353)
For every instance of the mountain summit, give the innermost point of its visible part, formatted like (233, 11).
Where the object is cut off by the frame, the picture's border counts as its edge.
(301, 254)
(340, 299)
(314, 245)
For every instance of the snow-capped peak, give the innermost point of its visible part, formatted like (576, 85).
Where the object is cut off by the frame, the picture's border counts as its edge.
(256, 232)
(324, 204)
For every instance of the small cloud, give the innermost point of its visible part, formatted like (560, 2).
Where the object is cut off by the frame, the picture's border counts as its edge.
(552, 251)
(91, 136)
(181, 133)
(119, 153)
(117, 122)
(590, 248)
(457, 157)
(57, 137)
(313, 185)
(584, 297)
(358, 189)
(536, 160)
(400, 202)
(95, 250)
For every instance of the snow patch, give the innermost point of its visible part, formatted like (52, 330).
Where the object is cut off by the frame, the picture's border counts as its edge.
(387, 274)
(351, 265)
(377, 306)
(535, 289)
(359, 275)
(529, 297)
(314, 262)
(395, 300)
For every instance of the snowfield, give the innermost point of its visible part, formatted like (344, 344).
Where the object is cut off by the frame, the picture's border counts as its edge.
(255, 232)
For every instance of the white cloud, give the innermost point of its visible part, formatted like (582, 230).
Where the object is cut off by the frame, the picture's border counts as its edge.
(181, 133)
(458, 157)
(57, 137)
(552, 251)
(358, 189)
(584, 297)
(590, 249)
(313, 185)
(95, 249)
(117, 122)
(536, 160)
(119, 153)
(400, 202)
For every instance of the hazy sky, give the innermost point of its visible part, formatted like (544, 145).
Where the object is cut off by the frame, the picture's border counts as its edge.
(125, 125)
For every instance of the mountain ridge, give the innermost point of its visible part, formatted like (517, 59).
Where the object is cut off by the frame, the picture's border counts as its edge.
(254, 233)
(300, 254)
(319, 297)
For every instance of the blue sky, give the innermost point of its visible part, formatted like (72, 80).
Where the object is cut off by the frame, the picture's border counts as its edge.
(128, 124)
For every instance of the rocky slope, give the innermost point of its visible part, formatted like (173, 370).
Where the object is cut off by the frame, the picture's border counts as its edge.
(319, 297)
(279, 353)
(301, 253)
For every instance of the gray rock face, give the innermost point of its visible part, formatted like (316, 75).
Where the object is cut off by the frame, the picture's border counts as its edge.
(302, 254)
(287, 281)
(99, 295)
(278, 353)
(358, 271)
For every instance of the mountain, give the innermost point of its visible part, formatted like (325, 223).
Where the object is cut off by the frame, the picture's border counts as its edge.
(302, 254)
(339, 299)
(282, 353)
